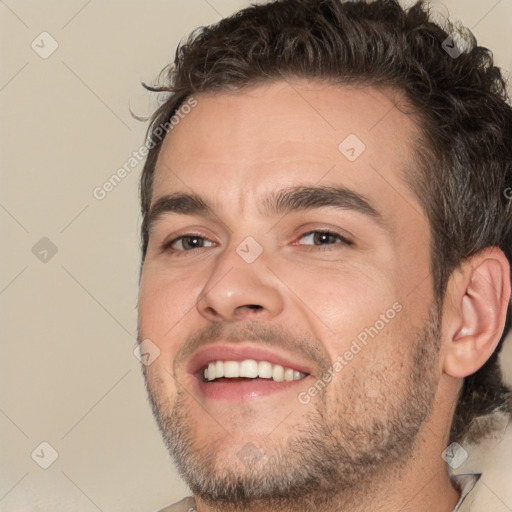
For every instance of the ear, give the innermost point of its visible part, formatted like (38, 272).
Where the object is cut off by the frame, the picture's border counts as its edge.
(477, 299)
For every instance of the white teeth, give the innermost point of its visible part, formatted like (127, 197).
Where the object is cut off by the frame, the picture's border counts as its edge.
(248, 368)
(219, 369)
(251, 369)
(231, 369)
(211, 371)
(265, 370)
(278, 373)
(288, 374)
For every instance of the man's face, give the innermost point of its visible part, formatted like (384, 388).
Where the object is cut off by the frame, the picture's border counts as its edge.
(270, 270)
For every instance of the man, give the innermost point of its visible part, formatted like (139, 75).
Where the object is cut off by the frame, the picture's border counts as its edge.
(326, 258)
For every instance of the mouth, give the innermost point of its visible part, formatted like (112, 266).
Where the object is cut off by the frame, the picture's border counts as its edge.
(248, 370)
(243, 373)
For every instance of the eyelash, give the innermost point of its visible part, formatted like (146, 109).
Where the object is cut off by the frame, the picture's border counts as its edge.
(344, 241)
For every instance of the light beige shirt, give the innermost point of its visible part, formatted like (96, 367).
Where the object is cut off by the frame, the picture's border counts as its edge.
(465, 484)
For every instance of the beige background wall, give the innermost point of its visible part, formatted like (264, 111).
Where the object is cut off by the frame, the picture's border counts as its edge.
(68, 375)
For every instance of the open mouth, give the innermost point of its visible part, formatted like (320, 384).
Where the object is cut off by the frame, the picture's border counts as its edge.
(247, 370)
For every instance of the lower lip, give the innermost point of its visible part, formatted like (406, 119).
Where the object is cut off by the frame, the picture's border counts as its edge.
(243, 390)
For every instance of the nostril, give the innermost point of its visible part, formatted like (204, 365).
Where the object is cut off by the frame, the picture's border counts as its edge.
(253, 306)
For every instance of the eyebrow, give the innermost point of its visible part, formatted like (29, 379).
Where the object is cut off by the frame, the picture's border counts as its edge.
(300, 198)
(181, 203)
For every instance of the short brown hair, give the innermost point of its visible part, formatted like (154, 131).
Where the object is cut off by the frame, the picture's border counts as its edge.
(465, 153)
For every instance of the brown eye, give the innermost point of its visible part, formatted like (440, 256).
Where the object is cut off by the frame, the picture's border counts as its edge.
(323, 238)
(188, 243)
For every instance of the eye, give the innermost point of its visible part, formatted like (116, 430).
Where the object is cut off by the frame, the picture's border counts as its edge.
(188, 243)
(324, 238)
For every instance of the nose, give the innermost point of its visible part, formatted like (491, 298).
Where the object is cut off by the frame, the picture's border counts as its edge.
(237, 290)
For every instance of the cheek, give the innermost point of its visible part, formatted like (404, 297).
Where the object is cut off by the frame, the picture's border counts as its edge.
(342, 302)
(166, 306)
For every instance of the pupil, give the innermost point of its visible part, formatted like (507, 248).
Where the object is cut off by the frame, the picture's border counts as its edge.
(193, 241)
(323, 238)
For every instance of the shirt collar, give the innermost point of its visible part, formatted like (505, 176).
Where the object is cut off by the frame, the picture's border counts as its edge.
(465, 484)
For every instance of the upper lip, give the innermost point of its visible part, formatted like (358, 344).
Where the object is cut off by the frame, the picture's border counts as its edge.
(240, 352)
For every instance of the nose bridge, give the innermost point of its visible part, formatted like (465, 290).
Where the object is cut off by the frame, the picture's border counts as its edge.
(240, 284)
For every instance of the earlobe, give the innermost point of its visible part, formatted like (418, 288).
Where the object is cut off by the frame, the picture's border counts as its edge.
(479, 294)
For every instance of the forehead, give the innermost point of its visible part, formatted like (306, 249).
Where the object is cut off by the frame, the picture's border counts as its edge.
(234, 147)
